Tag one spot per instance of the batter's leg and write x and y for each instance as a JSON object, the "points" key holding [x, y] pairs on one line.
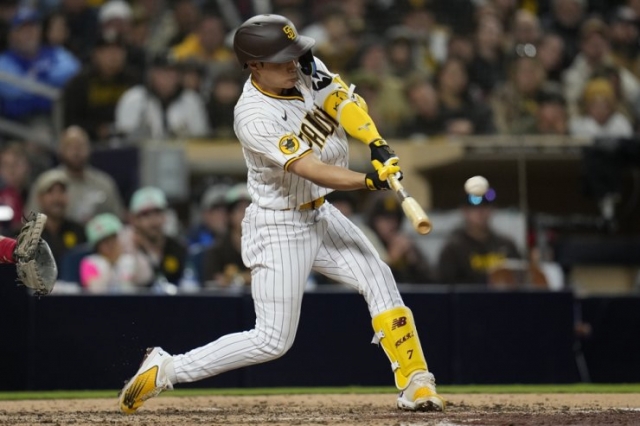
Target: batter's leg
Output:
{"points": [[280, 252], [348, 257]]}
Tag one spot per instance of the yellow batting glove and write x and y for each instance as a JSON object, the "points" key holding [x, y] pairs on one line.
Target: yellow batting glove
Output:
{"points": [[377, 181]]}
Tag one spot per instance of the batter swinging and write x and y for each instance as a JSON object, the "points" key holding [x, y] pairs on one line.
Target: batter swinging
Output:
{"points": [[292, 120]]}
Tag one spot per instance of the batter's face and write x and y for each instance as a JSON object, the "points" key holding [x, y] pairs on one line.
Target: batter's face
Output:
{"points": [[273, 78]]}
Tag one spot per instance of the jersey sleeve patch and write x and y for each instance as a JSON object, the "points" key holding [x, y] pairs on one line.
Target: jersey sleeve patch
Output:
{"points": [[289, 144]]}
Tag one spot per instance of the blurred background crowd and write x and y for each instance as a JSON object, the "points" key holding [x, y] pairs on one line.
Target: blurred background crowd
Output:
{"points": [[77, 76]]}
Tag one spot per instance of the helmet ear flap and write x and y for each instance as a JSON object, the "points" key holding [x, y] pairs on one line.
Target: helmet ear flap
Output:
{"points": [[307, 63]]}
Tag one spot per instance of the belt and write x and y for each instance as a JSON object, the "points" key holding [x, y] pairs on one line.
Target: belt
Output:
{"points": [[311, 205]]}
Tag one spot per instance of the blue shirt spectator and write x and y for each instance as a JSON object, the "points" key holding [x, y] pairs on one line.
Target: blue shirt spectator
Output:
{"points": [[27, 57]]}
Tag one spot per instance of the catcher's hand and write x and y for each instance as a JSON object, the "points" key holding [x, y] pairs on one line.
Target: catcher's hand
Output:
{"points": [[35, 264], [377, 181], [382, 155]]}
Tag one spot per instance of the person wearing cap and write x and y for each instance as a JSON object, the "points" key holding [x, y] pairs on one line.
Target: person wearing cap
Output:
{"points": [[90, 190], [108, 269], [158, 256], [90, 98], [27, 57], [161, 108], [51, 193], [116, 21], [475, 248], [222, 263], [595, 55], [214, 218], [600, 115]]}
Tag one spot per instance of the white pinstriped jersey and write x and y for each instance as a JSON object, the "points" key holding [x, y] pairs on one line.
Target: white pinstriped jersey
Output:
{"points": [[275, 131]]}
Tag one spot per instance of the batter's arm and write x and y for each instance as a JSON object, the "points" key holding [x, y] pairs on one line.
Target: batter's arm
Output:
{"points": [[329, 176]]}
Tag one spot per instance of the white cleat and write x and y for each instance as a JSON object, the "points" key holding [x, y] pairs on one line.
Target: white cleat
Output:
{"points": [[150, 380], [421, 394]]}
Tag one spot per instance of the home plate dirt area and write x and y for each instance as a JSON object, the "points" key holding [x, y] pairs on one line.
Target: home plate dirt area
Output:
{"points": [[349, 409]]}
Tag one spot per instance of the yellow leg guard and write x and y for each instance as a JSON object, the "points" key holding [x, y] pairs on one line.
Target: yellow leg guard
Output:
{"points": [[355, 119], [396, 331]]}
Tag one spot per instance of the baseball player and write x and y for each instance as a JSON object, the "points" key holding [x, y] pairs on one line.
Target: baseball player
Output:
{"points": [[35, 265], [292, 120]]}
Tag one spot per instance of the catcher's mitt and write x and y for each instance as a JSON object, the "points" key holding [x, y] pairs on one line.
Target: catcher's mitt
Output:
{"points": [[35, 264]]}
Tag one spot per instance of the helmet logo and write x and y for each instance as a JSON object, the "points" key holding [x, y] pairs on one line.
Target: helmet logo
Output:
{"points": [[290, 32]]}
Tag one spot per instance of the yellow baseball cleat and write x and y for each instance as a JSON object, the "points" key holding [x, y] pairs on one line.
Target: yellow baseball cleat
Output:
{"points": [[421, 394], [150, 380]]}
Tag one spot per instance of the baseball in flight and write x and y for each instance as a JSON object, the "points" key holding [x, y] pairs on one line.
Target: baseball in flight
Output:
{"points": [[476, 185]]}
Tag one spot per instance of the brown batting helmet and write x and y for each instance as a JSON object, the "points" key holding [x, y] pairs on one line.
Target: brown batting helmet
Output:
{"points": [[269, 38]]}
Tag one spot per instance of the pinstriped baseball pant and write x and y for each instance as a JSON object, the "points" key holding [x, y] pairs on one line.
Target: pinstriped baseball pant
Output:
{"points": [[281, 248]]}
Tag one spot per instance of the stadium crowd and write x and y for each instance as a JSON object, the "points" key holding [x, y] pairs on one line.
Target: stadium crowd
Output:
{"points": [[140, 70]]}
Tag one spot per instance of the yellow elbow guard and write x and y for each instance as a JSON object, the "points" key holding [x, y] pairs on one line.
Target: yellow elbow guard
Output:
{"points": [[350, 114], [395, 330]]}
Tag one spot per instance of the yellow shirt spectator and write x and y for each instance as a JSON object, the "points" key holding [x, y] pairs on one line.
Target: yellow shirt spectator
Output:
{"points": [[206, 43]]}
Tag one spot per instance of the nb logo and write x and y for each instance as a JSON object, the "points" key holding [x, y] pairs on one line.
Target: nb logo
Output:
{"points": [[398, 322], [320, 80], [290, 32]]}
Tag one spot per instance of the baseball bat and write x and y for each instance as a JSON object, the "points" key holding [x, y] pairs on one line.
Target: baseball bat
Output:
{"points": [[419, 219]]}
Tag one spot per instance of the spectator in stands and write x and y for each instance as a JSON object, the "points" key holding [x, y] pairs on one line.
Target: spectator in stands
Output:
{"points": [[82, 21], [401, 52], [565, 19], [595, 54], [551, 55], [430, 35], [90, 98], [90, 191], [552, 117], [186, 15], [62, 234], [526, 34], [624, 38], [214, 218], [27, 59], [600, 117], [340, 44], [108, 269], [223, 265], [161, 108], [461, 47], [475, 249], [156, 20], [14, 184], [426, 121], [379, 88], [158, 257], [225, 92], [116, 22], [194, 75], [206, 44], [407, 262], [487, 68], [515, 104], [55, 30], [461, 112]]}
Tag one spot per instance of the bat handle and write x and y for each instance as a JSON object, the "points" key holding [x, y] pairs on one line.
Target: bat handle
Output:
{"points": [[395, 184]]}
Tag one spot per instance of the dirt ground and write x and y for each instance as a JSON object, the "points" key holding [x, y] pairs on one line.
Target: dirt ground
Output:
{"points": [[333, 410]]}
